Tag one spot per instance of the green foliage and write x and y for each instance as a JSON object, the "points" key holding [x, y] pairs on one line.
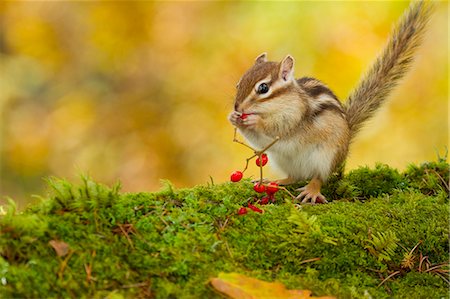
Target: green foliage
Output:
{"points": [[89, 196], [168, 244], [383, 245], [430, 177], [375, 182]]}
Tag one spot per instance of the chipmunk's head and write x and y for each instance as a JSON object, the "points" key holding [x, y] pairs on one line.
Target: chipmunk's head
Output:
{"points": [[264, 83]]}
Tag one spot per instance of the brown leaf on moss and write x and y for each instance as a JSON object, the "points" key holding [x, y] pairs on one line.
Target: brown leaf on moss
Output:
{"points": [[61, 247], [236, 285]]}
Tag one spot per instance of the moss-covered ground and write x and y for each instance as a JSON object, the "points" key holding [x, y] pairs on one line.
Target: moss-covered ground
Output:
{"points": [[168, 244]]}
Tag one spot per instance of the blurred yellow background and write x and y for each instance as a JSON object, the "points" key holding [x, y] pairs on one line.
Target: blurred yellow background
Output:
{"points": [[140, 91]]}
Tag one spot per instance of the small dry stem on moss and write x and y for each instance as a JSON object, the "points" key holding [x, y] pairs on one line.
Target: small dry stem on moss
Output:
{"points": [[408, 264]]}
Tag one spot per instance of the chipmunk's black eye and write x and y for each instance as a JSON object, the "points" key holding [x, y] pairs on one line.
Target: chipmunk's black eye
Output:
{"points": [[262, 88]]}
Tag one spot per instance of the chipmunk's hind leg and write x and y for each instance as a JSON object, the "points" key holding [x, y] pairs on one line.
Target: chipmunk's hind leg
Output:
{"points": [[311, 192]]}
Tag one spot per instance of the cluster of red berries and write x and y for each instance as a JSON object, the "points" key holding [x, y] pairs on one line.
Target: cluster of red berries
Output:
{"points": [[243, 210], [261, 159], [270, 189]]}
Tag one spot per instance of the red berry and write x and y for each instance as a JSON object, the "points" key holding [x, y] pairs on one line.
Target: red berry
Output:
{"points": [[242, 211], [236, 176], [260, 188], [272, 188], [264, 200], [244, 115], [256, 209], [262, 161]]}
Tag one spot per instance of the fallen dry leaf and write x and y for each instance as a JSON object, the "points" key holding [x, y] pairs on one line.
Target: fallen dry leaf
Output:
{"points": [[61, 247], [238, 286]]}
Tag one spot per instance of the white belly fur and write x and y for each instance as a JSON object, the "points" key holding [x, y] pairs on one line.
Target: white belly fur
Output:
{"points": [[295, 159], [301, 161]]}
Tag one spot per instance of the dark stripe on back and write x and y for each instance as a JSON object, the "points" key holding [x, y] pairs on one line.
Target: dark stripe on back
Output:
{"points": [[325, 107], [316, 88]]}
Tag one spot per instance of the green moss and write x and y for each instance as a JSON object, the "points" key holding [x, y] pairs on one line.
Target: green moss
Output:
{"points": [[168, 244]]}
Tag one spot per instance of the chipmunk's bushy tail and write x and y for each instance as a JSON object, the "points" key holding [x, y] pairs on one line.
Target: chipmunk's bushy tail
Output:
{"points": [[389, 67]]}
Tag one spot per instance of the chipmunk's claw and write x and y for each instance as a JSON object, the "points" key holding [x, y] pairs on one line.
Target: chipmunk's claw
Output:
{"points": [[310, 193]]}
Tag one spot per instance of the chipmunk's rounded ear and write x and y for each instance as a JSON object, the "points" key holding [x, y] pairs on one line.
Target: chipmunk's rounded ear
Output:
{"points": [[261, 58], [287, 68]]}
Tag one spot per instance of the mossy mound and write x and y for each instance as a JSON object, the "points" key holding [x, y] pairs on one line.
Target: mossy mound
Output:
{"points": [[168, 244]]}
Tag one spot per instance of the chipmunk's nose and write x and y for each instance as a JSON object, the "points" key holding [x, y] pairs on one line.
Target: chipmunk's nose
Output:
{"points": [[236, 107]]}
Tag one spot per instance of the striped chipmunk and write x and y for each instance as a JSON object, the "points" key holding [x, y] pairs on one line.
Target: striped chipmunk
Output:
{"points": [[314, 128]]}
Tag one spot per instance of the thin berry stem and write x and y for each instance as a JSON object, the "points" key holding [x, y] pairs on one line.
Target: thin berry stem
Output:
{"points": [[240, 142], [256, 154], [246, 163], [268, 146], [260, 170], [284, 189]]}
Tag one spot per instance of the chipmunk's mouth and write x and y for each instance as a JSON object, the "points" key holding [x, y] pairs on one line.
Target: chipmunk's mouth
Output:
{"points": [[248, 112], [244, 115]]}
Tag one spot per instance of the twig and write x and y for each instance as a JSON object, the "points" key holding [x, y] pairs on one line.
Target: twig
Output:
{"points": [[246, 163], [442, 180], [259, 154], [412, 250], [228, 249], [285, 189], [422, 259], [386, 287], [256, 153], [64, 264], [240, 142], [268, 146], [436, 267], [125, 233], [88, 268], [310, 260], [444, 277], [260, 169], [136, 285], [390, 276]]}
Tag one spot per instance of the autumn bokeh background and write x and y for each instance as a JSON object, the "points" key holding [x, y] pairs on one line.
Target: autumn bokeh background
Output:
{"points": [[139, 91]]}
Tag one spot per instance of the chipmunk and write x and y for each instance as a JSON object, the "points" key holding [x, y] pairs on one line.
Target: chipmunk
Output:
{"points": [[314, 128]]}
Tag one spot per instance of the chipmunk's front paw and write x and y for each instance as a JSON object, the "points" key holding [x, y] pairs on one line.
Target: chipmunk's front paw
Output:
{"points": [[235, 118], [251, 121]]}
